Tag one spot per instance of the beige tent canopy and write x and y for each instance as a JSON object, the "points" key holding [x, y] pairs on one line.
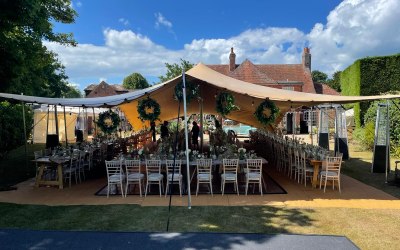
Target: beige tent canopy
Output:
{"points": [[247, 97]]}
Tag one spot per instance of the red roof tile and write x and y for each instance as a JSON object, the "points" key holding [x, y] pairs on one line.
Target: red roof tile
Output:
{"points": [[268, 74]]}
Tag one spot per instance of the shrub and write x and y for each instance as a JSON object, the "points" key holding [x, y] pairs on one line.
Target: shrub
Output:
{"points": [[11, 126]]}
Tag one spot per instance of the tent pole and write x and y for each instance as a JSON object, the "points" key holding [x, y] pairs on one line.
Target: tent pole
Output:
{"points": [[65, 128], [48, 118], [186, 140], [26, 147], [311, 125], [56, 119], [86, 125], [202, 126], [94, 121]]}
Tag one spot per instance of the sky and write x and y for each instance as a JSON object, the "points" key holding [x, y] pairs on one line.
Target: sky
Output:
{"points": [[117, 38]]}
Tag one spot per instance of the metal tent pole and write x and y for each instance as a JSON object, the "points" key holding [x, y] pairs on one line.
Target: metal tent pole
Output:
{"points": [[65, 128], [186, 140], [24, 121], [56, 118], [94, 121]]}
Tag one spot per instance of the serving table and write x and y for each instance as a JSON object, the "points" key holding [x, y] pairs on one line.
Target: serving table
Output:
{"points": [[45, 162]]}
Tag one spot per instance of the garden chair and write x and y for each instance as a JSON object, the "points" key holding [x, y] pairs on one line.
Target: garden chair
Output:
{"points": [[204, 175], [154, 176], [308, 171], [133, 175], [70, 170], [229, 175], [174, 174], [254, 174], [332, 172], [114, 175]]}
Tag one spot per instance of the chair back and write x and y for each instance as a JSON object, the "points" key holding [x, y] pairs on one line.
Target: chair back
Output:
{"points": [[254, 166], [132, 166], [230, 165], [38, 154], [153, 167], [303, 159], [174, 169], [204, 166], [297, 161], [113, 168], [47, 152], [333, 164]]}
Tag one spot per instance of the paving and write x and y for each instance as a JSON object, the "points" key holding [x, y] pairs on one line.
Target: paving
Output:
{"points": [[30, 239]]}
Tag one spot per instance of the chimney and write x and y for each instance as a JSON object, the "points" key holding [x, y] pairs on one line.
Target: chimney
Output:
{"points": [[232, 60], [306, 58]]}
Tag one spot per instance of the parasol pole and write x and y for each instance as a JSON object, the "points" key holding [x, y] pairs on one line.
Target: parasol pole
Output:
{"points": [[186, 139]]}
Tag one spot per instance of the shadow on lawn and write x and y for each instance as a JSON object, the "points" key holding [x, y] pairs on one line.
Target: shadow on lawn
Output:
{"points": [[254, 219]]}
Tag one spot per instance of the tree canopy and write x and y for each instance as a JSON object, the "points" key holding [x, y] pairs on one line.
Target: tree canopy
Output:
{"points": [[334, 82], [318, 76], [174, 70], [135, 81], [25, 63]]}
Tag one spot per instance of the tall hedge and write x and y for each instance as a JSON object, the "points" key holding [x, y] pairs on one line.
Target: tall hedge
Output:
{"points": [[370, 76]]}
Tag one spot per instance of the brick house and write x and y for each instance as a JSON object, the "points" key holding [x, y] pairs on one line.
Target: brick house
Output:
{"points": [[294, 77], [104, 89]]}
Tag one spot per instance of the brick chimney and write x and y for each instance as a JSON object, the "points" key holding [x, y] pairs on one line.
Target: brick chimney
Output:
{"points": [[306, 58], [232, 60]]}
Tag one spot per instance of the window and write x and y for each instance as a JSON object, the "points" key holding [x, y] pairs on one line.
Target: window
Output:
{"points": [[313, 117], [288, 88]]}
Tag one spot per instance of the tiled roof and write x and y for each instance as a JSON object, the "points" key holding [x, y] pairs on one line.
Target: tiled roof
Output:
{"points": [[269, 74], [321, 88]]}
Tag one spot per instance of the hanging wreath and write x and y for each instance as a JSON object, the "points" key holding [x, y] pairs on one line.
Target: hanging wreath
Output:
{"points": [[108, 121], [260, 115], [225, 103], [148, 109], [191, 91]]}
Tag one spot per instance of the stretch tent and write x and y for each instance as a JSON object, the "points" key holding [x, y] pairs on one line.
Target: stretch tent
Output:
{"points": [[247, 97]]}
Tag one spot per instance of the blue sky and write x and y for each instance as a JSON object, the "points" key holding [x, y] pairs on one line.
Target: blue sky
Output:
{"points": [[117, 38]]}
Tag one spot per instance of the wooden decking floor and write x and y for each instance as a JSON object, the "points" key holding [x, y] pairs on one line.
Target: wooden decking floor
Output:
{"points": [[354, 195]]}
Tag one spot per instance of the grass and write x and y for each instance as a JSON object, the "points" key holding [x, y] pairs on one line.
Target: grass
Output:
{"points": [[369, 229], [359, 167]]}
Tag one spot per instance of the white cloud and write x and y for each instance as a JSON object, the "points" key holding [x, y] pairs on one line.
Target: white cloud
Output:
{"points": [[124, 21], [354, 29], [162, 21]]}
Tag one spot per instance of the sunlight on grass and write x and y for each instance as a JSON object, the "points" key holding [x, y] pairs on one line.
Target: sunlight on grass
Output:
{"points": [[210, 226]]}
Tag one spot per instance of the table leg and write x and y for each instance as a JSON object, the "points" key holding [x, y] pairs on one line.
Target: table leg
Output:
{"points": [[315, 174], [40, 175], [60, 176]]}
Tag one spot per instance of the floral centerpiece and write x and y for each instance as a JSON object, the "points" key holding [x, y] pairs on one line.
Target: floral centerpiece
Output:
{"points": [[242, 153]]}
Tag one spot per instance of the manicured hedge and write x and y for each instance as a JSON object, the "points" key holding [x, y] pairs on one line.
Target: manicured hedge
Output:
{"points": [[370, 76]]}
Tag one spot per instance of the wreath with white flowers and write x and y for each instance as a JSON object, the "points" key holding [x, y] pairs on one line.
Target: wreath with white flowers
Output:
{"points": [[192, 91], [108, 121], [225, 103], [148, 109], [260, 115]]}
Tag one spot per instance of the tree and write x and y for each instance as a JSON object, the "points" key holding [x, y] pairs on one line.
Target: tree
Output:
{"points": [[25, 63], [335, 81], [135, 81], [319, 77], [174, 70], [73, 92]]}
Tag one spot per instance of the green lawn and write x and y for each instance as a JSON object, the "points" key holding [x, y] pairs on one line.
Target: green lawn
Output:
{"points": [[369, 229]]}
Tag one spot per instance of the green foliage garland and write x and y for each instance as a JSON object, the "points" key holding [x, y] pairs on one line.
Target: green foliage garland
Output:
{"points": [[225, 103], [261, 117], [191, 91], [108, 121], [146, 104]]}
